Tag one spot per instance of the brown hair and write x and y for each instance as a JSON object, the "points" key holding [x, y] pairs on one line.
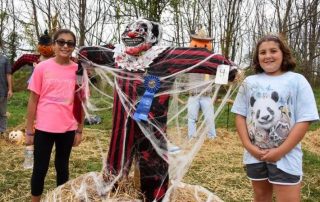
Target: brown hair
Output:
{"points": [[288, 62], [64, 31]]}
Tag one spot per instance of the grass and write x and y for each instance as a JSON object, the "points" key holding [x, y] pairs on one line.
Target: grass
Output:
{"points": [[311, 179], [209, 168], [316, 92], [17, 107]]}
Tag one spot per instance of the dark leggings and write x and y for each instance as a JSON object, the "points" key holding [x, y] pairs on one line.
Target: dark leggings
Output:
{"points": [[43, 144]]}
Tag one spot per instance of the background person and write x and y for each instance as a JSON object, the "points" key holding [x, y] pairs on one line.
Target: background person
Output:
{"points": [[5, 90], [200, 97]]}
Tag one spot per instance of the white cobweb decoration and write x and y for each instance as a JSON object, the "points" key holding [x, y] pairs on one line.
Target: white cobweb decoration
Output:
{"points": [[94, 187]]}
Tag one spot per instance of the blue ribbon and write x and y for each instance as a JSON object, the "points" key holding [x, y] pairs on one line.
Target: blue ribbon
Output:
{"points": [[152, 85]]}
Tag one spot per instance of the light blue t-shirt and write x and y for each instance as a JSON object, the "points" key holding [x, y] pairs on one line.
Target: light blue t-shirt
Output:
{"points": [[272, 105]]}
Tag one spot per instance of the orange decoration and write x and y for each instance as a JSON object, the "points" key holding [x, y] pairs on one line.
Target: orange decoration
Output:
{"points": [[201, 40], [45, 50]]}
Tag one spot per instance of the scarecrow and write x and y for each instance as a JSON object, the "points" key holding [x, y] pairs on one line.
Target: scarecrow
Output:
{"points": [[143, 75], [45, 51], [200, 96]]}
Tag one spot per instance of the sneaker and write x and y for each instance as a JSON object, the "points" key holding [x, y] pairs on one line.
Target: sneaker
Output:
{"points": [[212, 137], [192, 137], [173, 149]]}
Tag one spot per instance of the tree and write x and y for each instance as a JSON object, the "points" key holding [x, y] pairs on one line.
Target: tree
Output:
{"points": [[235, 25], [4, 17]]}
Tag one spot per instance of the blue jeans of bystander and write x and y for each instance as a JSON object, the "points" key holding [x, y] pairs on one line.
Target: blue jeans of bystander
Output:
{"points": [[3, 116], [206, 105]]}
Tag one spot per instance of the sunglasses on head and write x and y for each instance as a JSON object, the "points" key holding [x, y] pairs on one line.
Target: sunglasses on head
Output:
{"points": [[62, 42]]}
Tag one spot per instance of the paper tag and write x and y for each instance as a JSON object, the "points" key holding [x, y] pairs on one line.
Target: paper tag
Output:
{"points": [[222, 74], [206, 77]]}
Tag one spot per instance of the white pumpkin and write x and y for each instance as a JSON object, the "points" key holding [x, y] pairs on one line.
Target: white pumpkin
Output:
{"points": [[16, 136]]}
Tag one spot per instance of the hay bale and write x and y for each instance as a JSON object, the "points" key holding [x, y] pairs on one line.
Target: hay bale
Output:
{"points": [[91, 187], [311, 141], [190, 193]]}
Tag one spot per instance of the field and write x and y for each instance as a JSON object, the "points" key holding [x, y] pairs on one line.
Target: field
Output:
{"points": [[217, 167]]}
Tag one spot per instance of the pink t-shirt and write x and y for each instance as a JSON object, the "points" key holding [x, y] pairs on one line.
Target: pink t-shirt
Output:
{"points": [[55, 85]]}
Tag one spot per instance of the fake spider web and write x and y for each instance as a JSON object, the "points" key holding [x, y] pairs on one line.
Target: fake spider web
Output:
{"points": [[175, 134]]}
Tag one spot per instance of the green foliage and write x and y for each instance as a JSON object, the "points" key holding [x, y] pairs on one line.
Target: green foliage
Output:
{"points": [[311, 169], [17, 107], [106, 118], [17, 104], [149, 9], [175, 3], [226, 119], [29, 34], [3, 16], [13, 44], [20, 79], [103, 104], [316, 92]]}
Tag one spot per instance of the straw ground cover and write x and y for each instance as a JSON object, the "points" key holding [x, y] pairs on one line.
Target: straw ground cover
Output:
{"points": [[217, 167]]}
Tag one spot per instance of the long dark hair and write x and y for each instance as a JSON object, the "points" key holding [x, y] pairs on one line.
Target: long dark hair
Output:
{"points": [[288, 62]]}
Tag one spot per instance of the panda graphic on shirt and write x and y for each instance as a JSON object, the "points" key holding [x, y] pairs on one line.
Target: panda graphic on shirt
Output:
{"points": [[269, 124]]}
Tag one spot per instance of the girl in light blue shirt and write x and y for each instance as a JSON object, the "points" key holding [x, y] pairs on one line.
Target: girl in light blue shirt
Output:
{"points": [[274, 109]]}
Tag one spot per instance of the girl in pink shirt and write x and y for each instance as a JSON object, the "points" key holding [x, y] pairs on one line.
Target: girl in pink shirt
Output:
{"points": [[52, 90]]}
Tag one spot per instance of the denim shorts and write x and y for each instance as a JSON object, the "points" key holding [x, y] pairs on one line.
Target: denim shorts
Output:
{"points": [[270, 172]]}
